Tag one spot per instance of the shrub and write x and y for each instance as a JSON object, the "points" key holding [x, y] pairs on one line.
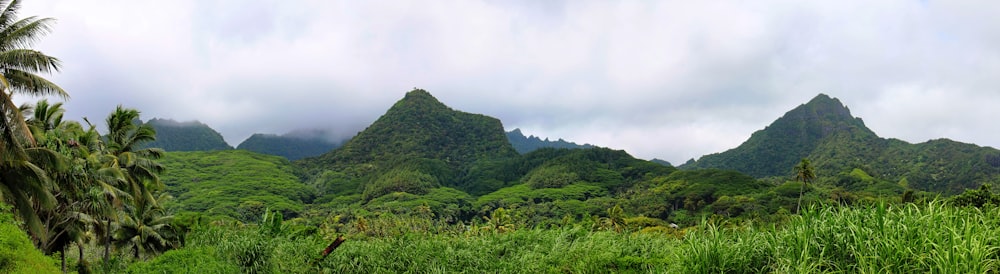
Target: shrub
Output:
{"points": [[17, 254], [187, 260]]}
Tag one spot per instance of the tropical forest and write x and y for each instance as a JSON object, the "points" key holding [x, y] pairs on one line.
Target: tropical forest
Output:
{"points": [[426, 188]]}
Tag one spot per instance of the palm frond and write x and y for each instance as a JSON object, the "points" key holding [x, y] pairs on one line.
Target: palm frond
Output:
{"points": [[9, 13], [23, 82], [29, 60], [24, 32], [14, 131]]}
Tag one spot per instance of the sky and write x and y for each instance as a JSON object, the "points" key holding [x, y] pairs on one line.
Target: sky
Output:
{"points": [[673, 80]]}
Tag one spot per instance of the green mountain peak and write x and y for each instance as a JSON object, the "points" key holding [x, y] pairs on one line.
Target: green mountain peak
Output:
{"points": [[418, 136], [824, 131], [185, 136], [773, 150]]}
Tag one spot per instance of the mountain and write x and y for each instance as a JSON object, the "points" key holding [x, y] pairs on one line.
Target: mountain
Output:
{"points": [[824, 131], [293, 145], [417, 145], [186, 136], [661, 161], [524, 144], [774, 150]]}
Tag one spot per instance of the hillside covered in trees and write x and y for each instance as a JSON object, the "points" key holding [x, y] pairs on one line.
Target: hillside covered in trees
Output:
{"points": [[456, 165], [185, 136], [234, 183], [293, 145], [824, 131]]}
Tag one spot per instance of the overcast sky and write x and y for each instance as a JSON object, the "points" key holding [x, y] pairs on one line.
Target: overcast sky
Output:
{"points": [[660, 79]]}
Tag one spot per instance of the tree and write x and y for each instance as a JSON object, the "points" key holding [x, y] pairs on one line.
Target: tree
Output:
{"points": [[616, 219], [805, 173], [138, 165], [23, 181], [145, 227], [124, 141], [84, 186], [64, 223]]}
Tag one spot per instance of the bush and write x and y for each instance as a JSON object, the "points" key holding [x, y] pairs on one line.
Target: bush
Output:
{"points": [[397, 180], [17, 254], [187, 260]]}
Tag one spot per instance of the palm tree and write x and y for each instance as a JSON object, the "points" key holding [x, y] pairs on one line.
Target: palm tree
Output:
{"points": [[125, 138], [22, 181], [85, 191], [616, 219], [145, 227], [805, 173], [138, 165], [45, 117], [19, 68], [25, 185]]}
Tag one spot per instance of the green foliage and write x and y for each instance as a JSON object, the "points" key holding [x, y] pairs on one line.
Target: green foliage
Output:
{"points": [[233, 183], [400, 180], [443, 203], [145, 229], [976, 198], [824, 131], [928, 238], [418, 133], [271, 246], [570, 250], [17, 254], [187, 260], [523, 194], [931, 238], [552, 176], [185, 136], [794, 136], [289, 146]]}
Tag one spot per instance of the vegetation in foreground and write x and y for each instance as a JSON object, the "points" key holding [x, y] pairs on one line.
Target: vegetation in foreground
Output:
{"points": [[936, 237], [430, 189]]}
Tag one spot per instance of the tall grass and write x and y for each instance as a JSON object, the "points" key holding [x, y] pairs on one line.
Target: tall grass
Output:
{"points": [[881, 238], [932, 238], [568, 250]]}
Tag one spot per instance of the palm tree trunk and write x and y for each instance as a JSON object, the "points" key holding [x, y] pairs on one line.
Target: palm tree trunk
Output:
{"points": [[79, 248], [798, 207], [107, 241], [63, 256]]}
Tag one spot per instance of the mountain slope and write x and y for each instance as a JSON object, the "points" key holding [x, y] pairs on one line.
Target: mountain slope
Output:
{"points": [[524, 144], [418, 144], [234, 183], [774, 150], [186, 136], [292, 146], [824, 131]]}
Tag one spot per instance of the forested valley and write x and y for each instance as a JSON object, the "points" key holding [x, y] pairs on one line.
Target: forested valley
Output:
{"points": [[430, 189]]}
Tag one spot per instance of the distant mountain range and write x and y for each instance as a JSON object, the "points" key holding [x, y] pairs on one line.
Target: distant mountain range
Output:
{"points": [[293, 145], [524, 144], [424, 157], [422, 132], [824, 131], [196, 136]]}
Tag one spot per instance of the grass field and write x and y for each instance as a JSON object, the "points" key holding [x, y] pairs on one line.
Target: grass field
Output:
{"points": [[931, 238]]}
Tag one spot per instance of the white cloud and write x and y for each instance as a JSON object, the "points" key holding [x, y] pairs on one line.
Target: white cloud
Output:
{"points": [[672, 80]]}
